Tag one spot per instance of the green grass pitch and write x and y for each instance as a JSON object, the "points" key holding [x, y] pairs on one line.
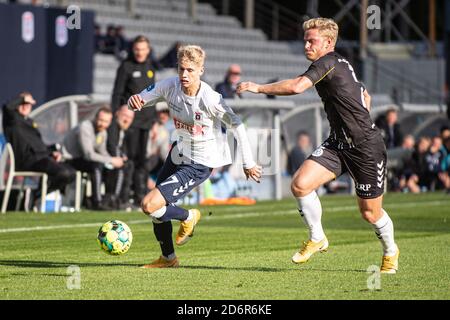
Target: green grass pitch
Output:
{"points": [[236, 253]]}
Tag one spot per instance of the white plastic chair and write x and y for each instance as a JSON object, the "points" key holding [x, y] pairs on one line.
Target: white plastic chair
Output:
{"points": [[78, 191], [7, 167]]}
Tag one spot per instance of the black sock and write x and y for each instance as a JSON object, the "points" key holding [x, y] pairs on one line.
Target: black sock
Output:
{"points": [[163, 233]]}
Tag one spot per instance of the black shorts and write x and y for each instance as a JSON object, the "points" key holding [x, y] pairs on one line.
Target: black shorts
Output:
{"points": [[366, 164]]}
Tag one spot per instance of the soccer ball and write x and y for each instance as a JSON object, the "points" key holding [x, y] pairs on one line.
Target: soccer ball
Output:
{"points": [[115, 237]]}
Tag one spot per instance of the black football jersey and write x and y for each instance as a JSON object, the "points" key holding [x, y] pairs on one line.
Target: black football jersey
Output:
{"points": [[342, 96]]}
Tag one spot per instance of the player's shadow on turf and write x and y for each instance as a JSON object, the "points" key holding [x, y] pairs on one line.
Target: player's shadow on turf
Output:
{"points": [[261, 269], [27, 274], [267, 269], [334, 270], [53, 264]]}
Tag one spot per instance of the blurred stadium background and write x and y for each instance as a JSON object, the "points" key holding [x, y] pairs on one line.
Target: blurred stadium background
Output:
{"points": [[402, 63]]}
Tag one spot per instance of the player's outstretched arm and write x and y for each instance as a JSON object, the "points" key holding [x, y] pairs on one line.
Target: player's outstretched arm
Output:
{"points": [[226, 115], [135, 102], [251, 169], [150, 95], [280, 88]]}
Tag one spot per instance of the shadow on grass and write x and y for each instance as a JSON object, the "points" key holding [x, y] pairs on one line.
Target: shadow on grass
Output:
{"points": [[53, 264], [268, 269], [27, 274], [258, 269], [333, 270]]}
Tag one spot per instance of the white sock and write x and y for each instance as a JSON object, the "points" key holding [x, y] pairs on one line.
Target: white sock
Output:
{"points": [[190, 216], [311, 212], [158, 214], [384, 229]]}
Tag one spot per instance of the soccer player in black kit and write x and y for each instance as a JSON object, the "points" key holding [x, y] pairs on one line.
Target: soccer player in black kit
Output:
{"points": [[355, 145]]}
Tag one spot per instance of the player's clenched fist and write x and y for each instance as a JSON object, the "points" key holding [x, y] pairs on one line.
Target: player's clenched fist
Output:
{"points": [[247, 86], [135, 102]]}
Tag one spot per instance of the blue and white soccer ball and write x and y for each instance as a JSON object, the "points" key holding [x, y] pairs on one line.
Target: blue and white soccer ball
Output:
{"points": [[115, 237]]}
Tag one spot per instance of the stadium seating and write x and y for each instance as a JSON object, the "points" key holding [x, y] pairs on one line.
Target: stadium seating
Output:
{"points": [[223, 38]]}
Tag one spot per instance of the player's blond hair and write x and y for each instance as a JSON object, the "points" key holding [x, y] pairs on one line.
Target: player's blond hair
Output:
{"points": [[327, 27], [191, 53]]}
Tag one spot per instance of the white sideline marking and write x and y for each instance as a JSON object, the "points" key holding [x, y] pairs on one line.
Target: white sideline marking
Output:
{"points": [[228, 216]]}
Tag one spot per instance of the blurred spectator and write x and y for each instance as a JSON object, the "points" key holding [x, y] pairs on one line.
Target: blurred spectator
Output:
{"points": [[110, 40], [434, 158], [30, 152], [444, 132], [390, 129], [300, 152], [118, 181], [227, 88], [99, 39], [135, 74], [158, 148], [408, 142], [84, 147], [398, 159], [415, 170], [122, 44], [114, 42], [170, 59], [445, 165], [163, 115]]}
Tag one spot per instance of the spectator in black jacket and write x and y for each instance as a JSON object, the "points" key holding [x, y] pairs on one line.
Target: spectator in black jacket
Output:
{"points": [[110, 40], [434, 158], [134, 75], [99, 39], [30, 152], [122, 44], [118, 181], [227, 88], [170, 59], [390, 129]]}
